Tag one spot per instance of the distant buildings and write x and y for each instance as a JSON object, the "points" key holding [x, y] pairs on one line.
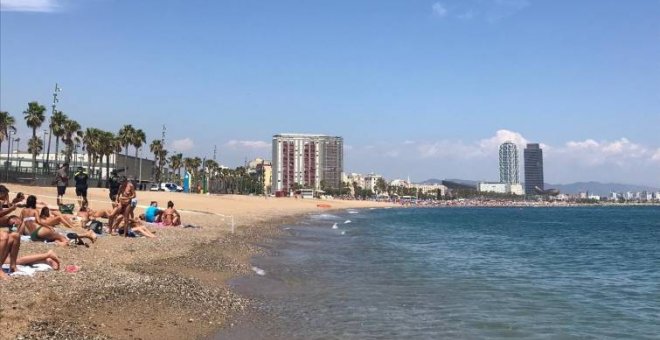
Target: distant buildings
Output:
{"points": [[370, 181], [509, 179], [264, 170], [509, 163], [307, 160], [533, 155], [501, 188]]}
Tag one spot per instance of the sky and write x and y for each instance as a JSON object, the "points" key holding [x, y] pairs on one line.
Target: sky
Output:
{"points": [[419, 89]]}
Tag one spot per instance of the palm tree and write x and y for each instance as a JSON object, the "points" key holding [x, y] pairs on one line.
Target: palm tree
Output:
{"points": [[34, 117], [109, 146], [6, 124], [176, 163], [92, 144], [125, 135], [72, 135], [139, 138], [156, 147], [35, 146], [57, 127]]}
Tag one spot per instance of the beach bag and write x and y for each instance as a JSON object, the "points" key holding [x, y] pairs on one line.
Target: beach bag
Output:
{"points": [[67, 208], [96, 227], [74, 239]]}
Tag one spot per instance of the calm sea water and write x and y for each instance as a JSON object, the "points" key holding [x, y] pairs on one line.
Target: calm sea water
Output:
{"points": [[463, 273]]}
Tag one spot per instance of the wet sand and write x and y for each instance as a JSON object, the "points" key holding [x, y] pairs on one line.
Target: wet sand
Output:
{"points": [[171, 287]]}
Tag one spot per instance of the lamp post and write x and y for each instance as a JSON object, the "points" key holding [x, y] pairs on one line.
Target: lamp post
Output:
{"points": [[9, 139], [50, 125], [44, 163], [140, 155]]}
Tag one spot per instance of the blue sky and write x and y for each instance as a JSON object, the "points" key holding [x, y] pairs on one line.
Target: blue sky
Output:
{"points": [[416, 88]]}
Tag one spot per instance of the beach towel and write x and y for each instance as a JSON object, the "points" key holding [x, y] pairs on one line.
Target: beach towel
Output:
{"points": [[27, 270]]}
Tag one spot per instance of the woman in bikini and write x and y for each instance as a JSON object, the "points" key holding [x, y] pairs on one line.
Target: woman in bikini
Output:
{"points": [[53, 221], [125, 199], [171, 217], [38, 230]]}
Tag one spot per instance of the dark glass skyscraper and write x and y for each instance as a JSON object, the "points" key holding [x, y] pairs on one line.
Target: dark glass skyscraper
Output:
{"points": [[533, 155]]}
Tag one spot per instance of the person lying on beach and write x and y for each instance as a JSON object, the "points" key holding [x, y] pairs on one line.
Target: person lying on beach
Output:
{"points": [[49, 258], [38, 230], [171, 217], [53, 220], [137, 227], [87, 214]]}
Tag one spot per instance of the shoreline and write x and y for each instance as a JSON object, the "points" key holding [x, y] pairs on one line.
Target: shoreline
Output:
{"points": [[174, 286]]}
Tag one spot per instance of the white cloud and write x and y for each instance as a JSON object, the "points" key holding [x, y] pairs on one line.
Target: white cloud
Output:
{"points": [[249, 144], [181, 145], [620, 160], [656, 155], [29, 5], [439, 10]]}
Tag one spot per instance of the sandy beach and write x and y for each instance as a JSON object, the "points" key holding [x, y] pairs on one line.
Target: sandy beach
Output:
{"points": [[171, 287]]}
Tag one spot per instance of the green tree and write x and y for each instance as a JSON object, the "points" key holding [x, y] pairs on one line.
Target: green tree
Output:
{"points": [[176, 161], [34, 117], [7, 122], [139, 138], [381, 185], [92, 145], [126, 135], [160, 154], [56, 125], [72, 136]]}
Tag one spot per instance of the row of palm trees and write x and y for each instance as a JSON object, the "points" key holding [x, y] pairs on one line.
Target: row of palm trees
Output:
{"points": [[97, 143]]}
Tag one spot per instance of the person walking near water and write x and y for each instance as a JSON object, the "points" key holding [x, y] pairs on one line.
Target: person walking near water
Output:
{"points": [[62, 180], [81, 178]]}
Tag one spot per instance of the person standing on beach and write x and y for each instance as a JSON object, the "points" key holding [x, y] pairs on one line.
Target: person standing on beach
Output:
{"points": [[81, 178], [62, 180]]}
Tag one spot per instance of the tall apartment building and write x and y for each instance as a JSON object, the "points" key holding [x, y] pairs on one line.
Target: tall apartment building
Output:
{"points": [[533, 168], [307, 160], [509, 163]]}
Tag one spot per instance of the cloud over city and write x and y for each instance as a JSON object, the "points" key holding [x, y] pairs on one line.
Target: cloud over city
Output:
{"points": [[248, 144], [182, 145], [620, 160]]}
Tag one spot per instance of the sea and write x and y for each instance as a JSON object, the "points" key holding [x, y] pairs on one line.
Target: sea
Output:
{"points": [[460, 273]]}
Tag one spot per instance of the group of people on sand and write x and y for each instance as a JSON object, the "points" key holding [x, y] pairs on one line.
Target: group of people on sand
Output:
{"points": [[38, 224], [38, 220]]}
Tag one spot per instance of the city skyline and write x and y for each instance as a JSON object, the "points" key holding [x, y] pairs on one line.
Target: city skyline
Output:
{"points": [[417, 89]]}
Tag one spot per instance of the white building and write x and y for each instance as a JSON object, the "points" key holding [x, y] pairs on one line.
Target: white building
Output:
{"points": [[353, 178], [431, 188], [501, 188], [509, 163], [370, 181], [307, 160]]}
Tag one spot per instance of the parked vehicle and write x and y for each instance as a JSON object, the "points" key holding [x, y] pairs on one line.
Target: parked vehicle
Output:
{"points": [[171, 187]]}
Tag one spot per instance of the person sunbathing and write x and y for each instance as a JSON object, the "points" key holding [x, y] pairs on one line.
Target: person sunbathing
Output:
{"points": [[9, 246], [32, 224], [87, 214], [7, 206], [137, 227], [49, 258], [171, 217], [53, 220]]}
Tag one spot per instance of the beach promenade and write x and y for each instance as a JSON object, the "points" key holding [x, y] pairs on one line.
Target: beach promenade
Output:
{"points": [[170, 287]]}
